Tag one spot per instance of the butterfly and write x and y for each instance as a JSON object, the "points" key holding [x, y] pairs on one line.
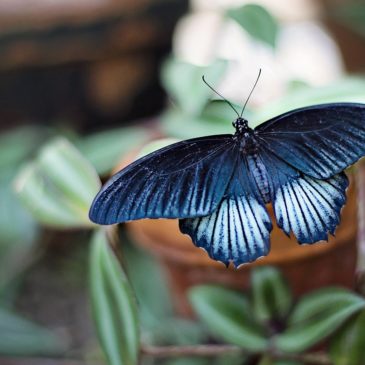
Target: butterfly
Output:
{"points": [[218, 186]]}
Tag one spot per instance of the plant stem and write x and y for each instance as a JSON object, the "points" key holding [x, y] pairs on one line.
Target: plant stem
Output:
{"points": [[39, 361], [193, 350], [315, 358]]}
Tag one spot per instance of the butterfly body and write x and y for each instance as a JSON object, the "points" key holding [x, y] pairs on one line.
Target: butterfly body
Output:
{"points": [[218, 186], [260, 175], [249, 144]]}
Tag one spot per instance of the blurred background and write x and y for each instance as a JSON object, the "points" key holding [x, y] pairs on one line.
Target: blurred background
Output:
{"points": [[88, 86]]}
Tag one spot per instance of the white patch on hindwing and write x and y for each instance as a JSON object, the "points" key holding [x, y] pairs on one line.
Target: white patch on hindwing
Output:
{"points": [[310, 207], [237, 231]]}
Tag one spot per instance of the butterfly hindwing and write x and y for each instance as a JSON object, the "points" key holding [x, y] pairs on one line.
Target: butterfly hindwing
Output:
{"points": [[239, 230], [310, 207], [320, 140], [186, 179], [306, 206]]}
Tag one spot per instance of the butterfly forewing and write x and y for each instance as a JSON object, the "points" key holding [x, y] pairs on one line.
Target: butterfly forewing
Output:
{"points": [[186, 179], [320, 140]]}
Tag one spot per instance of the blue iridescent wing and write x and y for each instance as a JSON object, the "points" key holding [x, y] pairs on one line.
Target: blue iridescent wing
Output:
{"points": [[185, 179], [306, 206], [239, 230], [320, 140]]}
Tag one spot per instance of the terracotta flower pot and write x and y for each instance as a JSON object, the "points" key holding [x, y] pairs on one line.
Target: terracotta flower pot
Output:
{"points": [[306, 267]]}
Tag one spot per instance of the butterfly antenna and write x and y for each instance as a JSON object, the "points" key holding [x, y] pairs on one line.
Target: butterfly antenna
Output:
{"points": [[230, 104], [253, 88]]}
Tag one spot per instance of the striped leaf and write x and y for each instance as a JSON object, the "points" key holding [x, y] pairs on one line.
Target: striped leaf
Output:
{"points": [[317, 316], [113, 305], [271, 296], [347, 347], [227, 314], [58, 186]]}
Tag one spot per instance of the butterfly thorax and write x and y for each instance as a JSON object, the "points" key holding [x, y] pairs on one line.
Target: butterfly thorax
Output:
{"points": [[245, 136], [249, 147], [241, 126]]}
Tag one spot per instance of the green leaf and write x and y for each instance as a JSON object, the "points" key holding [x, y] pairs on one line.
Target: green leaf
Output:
{"points": [[20, 337], [113, 305], [177, 331], [46, 204], [352, 15], [105, 150], [317, 316], [18, 145], [271, 296], [266, 360], [256, 21], [159, 326], [226, 359], [348, 345], [228, 316], [69, 171], [153, 296], [18, 229], [59, 186], [350, 89], [189, 361], [218, 111], [18, 235], [216, 118], [231, 359], [183, 81]]}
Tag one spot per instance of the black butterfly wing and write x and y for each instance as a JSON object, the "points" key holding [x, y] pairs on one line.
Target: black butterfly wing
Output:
{"points": [[239, 229], [306, 206], [320, 140], [185, 179]]}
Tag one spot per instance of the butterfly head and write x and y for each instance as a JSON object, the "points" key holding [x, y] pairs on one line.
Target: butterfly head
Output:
{"points": [[241, 125]]}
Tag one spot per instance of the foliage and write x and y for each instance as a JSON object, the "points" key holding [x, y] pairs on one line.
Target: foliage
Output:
{"points": [[347, 89], [257, 21], [317, 316], [265, 322], [114, 308], [132, 308], [18, 236], [183, 82], [347, 348], [104, 150], [352, 15], [18, 336], [58, 186], [216, 116], [70, 181], [232, 317], [17, 241]]}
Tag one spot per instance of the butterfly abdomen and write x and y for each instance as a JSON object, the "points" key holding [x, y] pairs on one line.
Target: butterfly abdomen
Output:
{"points": [[259, 173]]}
